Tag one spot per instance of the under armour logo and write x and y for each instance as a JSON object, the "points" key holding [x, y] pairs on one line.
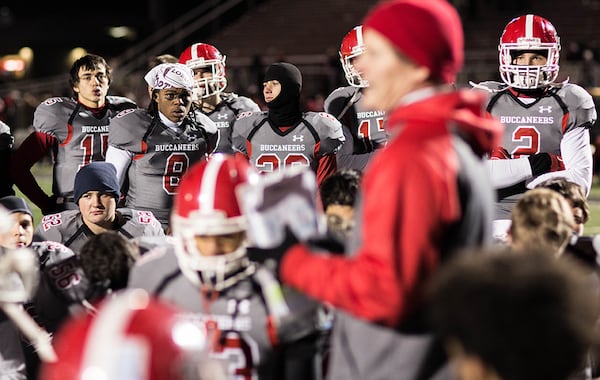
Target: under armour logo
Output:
{"points": [[545, 109], [297, 138], [221, 116]]}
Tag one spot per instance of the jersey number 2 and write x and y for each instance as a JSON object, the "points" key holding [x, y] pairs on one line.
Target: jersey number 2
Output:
{"points": [[529, 139]]}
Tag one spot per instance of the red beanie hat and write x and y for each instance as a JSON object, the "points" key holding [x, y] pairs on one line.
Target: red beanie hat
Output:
{"points": [[429, 32]]}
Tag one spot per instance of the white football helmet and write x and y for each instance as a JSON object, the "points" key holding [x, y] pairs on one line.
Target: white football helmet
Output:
{"points": [[207, 57], [206, 204], [529, 33]]}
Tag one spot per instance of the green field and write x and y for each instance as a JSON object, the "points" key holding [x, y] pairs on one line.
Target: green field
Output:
{"points": [[42, 171]]}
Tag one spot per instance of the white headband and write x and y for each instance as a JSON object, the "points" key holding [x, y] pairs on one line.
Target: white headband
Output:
{"points": [[170, 75]]}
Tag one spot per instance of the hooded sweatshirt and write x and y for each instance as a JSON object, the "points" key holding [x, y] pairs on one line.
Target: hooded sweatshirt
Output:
{"points": [[424, 196]]}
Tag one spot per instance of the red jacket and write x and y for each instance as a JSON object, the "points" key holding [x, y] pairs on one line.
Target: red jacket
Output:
{"points": [[410, 212]]}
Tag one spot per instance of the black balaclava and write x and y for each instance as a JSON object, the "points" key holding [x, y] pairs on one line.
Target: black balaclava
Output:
{"points": [[284, 110]]}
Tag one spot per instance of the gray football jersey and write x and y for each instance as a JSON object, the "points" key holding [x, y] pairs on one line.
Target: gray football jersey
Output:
{"points": [[68, 228], [161, 157], [248, 340], [363, 128], [224, 116], [268, 149], [82, 135], [537, 127]]}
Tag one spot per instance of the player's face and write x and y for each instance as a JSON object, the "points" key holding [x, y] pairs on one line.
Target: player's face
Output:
{"points": [[174, 103], [340, 218], [202, 77], [271, 89], [215, 245], [21, 233], [390, 75], [92, 86], [98, 208], [530, 59]]}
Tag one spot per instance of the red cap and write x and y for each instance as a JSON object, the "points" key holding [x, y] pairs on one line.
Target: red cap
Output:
{"points": [[429, 32]]}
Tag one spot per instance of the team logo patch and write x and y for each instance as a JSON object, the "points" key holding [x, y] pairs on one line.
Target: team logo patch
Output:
{"points": [[125, 112]]}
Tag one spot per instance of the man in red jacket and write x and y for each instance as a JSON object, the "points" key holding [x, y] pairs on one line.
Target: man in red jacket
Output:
{"points": [[425, 196]]}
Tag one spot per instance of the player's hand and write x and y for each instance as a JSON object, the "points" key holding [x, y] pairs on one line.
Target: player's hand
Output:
{"points": [[499, 153], [271, 257], [545, 163]]}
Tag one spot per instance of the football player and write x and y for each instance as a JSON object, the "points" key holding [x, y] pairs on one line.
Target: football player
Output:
{"points": [[96, 193], [264, 330], [73, 129], [152, 148], [547, 124], [209, 84], [18, 279], [21, 234], [363, 127], [285, 136]]}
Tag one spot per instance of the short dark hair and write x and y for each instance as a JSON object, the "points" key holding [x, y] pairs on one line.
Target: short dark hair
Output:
{"points": [[340, 188], [163, 58], [106, 259], [527, 315], [90, 62]]}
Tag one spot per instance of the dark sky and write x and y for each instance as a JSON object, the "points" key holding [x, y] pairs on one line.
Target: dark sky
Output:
{"points": [[52, 29]]}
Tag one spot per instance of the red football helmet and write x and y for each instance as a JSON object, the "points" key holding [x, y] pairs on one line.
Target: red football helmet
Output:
{"points": [[207, 58], [529, 33], [352, 46], [132, 337], [206, 204]]}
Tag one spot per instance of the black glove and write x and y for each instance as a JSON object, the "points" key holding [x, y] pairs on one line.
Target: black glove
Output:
{"points": [[544, 163], [272, 256]]}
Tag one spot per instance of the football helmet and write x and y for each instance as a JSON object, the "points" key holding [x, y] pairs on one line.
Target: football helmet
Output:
{"points": [[352, 46], [206, 204], [529, 33], [209, 58], [133, 336]]}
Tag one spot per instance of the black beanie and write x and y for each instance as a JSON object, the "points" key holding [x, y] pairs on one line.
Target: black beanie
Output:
{"points": [[284, 110], [15, 204], [96, 176]]}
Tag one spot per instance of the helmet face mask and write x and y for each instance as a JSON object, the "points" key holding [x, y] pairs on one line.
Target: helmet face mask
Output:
{"points": [[206, 205], [208, 59], [212, 271], [529, 33], [352, 46]]}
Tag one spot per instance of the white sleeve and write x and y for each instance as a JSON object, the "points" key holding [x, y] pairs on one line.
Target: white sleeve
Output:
{"points": [[121, 159], [508, 172], [576, 153]]}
